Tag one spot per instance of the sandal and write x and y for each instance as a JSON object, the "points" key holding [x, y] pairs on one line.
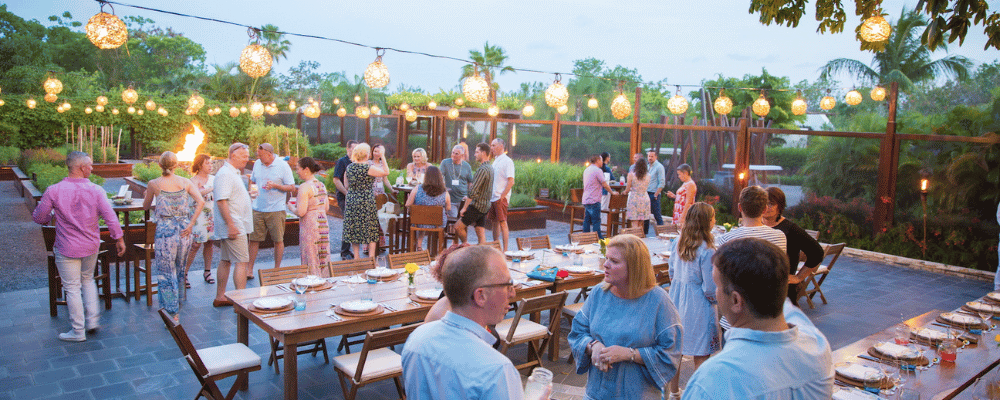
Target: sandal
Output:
{"points": [[187, 283], [208, 277]]}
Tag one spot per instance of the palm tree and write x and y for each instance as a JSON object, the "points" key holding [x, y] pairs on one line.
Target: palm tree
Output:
{"points": [[905, 60], [491, 61], [275, 42]]}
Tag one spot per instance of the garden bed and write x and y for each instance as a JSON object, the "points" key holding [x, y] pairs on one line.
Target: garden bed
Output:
{"points": [[31, 194], [137, 187], [119, 170], [523, 218]]}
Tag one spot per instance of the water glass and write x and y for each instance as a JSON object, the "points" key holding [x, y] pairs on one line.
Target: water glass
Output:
{"points": [[908, 394], [948, 350], [577, 259], [368, 293], [538, 382], [902, 336], [872, 380], [300, 302]]}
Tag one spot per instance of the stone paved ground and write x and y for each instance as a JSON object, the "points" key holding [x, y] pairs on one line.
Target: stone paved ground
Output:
{"points": [[133, 356]]}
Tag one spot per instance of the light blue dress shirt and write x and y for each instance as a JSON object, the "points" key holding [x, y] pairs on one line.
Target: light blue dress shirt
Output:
{"points": [[229, 187], [657, 177], [453, 358], [271, 200], [649, 324], [791, 364]]}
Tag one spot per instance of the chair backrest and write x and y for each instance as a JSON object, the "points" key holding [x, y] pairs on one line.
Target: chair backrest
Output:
{"points": [[814, 234], [576, 195], [422, 257], [553, 302], [633, 231], [49, 234], [543, 192], [380, 200], [351, 267], [618, 201], [833, 250], [150, 232], [275, 276], [665, 228], [537, 242], [426, 215], [584, 237], [380, 340], [496, 245], [184, 343]]}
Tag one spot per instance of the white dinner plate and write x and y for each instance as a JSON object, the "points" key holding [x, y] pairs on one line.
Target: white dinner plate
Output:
{"points": [[309, 281], [980, 306], [358, 306], [961, 318], [429, 294], [517, 253], [577, 269], [355, 279], [271, 303], [381, 273], [856, 371]]}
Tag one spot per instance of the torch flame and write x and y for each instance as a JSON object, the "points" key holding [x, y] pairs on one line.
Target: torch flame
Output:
{"points": [[191, 143]]}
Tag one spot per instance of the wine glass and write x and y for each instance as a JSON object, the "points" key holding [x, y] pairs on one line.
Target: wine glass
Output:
{"points": [[890, 373], [574, 243], [986, 315], [353, 281]]}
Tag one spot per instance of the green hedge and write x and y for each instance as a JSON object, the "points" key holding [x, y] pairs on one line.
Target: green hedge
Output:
{"points": [[146, 172], [559, 178], [9, 155], [47, 175], [789, 158], [328, 151]]}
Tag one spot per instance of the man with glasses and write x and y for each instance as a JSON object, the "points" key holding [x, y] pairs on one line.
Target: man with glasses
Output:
{"points": [[274, 177], [454, 358], [233, 221]]}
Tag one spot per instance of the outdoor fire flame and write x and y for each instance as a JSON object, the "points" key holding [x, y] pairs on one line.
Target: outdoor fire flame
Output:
{"points": [[191, 143]]}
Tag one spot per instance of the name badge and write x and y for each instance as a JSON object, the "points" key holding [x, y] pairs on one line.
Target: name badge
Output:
{"points": [[454, 182]]}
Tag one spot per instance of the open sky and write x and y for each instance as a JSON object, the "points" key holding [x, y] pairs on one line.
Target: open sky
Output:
{"points": [[680, 41]]}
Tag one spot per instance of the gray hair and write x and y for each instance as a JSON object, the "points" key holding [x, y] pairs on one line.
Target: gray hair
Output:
{"points": [[501, 143], [236, 146], [460, 147], [74, 158]]}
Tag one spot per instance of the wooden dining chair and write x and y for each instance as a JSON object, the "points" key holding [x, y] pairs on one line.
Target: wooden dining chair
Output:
{"points": [[279, 276], [813, 285], [351, 267], [584, 238], [375, 362], [139, 270], [519, 330], [665, 228], [417, 257], [616, 214], [575, 207], [814, 234], [380, 200], [427, 215], [495, 244], [57, 297], [536, 242], [212, 364], [637, 231]]}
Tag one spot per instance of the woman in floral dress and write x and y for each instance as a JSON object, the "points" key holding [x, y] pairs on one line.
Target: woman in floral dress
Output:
{"points": [[360, 218], [202, 232], [174, 223], [637, 208], [311, 206], [684, 197]]}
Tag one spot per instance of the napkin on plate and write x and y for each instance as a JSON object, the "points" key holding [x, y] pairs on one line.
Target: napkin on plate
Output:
{"points": [[852, 394], [271, 303], [428, 294], [895, 351], [856, 371], [980, 306], [961, 319], [358, 305], [929, 333]]}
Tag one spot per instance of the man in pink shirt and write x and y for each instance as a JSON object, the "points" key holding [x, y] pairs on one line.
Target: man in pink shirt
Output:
{"points": [[76, 204], [593, 181]]}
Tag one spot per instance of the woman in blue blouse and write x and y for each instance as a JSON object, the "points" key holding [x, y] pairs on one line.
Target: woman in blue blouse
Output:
{"points": [[627, 336]]}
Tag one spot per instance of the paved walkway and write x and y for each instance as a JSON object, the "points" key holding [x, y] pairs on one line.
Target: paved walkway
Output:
{"points": [[133, 356]]}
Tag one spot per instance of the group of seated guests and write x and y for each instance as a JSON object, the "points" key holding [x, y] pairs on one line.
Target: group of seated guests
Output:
{"points": [[630, 334]]}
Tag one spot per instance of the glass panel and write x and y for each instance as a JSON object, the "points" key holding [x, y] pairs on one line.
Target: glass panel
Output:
{"points": [[527, 141], [384, 132], [286, 119], [354, 128], [330, 129], [310, 128], [578, 143]]}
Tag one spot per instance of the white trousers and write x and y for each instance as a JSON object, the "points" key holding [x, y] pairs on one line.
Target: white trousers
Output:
{"points": [[77, 275]]}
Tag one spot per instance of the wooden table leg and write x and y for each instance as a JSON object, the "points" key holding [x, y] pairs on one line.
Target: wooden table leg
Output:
{"points": [[291, 371], [243, 336]]}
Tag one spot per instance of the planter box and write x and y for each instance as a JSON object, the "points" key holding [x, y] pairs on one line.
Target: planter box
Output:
{"points": [[137, 187], [556, 209], [7, 173], [31, 194], [524, 218], [119, 170]]}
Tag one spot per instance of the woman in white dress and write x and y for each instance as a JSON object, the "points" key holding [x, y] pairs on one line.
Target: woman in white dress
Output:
{"points": [[202, 232]]}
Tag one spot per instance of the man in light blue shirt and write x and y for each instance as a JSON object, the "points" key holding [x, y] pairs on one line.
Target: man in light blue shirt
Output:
{"points": [[772, 351], [453, 358], [657, 180], [273, 178]]}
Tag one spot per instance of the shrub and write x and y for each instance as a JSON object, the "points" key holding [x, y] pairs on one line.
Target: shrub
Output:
{"points": [[146, 172], [789, 158], [220, 150], [41, 156], [559, 178], [47, 175], [328, 151], [286, 141], [522, 200], [9, 155]]}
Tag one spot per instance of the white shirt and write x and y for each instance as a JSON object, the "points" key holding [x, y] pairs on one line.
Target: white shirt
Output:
{"points": [[503, 168], [229, 186]]}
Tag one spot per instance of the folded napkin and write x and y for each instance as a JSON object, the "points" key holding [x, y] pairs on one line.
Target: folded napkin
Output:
{"points": [[856, 371], [852, 394], [980, 306], [961, 319], [994, 296], [928, 333], [548, 274], [895, 351]]}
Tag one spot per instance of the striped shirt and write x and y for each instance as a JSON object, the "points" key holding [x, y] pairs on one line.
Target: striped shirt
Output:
{"points": [[482, 184], [760, 232]]}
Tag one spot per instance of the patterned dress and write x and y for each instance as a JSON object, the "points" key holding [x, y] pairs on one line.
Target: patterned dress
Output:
{"points": [[360, 220], [314, 233], [680, 201], [203, 226], [637, 208], [421, 198], [172, 215]]}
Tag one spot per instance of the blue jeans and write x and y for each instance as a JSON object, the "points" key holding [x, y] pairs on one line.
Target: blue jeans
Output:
{"points": [[592, 218], [654, 207]]}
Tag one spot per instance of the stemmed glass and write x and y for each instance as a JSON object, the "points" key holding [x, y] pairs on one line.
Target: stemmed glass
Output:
{"points": [[891, 373], [986, 315], [353, 281]]}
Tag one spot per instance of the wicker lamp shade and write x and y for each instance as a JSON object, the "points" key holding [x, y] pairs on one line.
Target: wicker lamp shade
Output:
{"points": [[528, 110], [88, 110], [459, 101], [476, 89], [404, 107], [878, 93], [99, 108], [52, 86], [432, 105], [102, 101], [410, 115], [291, 105], [563, 109], [162, 111], [114, 111], [620, 107], [30, 103], [723, 105], [196, 102], [336, 101], [341, 112], [357, 99], [377, 74], [493, 110], [130, 110], [761, 107], [271, 109], [375, 109], [311, 111], [140, 112], [362, 112], [106, 31], [256, 109], [150, 105], [677, 104], [875, 29], [234, 112], [60, 109], [592, 103], [452, 113], [51, 98], [827, 102], [255, 60], [2, 102], [556, 95], [66, 105], [129, 95], [853, 98], [799, 106]]}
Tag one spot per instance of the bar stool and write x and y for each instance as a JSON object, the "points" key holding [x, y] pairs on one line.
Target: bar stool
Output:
{"points": [[139, 269]]}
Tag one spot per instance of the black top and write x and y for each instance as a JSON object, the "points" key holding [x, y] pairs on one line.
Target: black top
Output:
{"points": [[798, 240], [339, 171]]}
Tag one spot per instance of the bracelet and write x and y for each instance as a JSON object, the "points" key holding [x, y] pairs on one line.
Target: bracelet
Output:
{"points": [[632, 354]]}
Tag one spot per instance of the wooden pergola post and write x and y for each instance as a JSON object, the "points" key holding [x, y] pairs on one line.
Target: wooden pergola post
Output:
{"points": [[742, 162], [888, 166], [636, 136], [556, 140]]}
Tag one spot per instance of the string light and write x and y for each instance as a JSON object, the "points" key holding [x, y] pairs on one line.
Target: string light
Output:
{"points": [[827, 102], [130, 110], [2, 102], [677, 104], [106, 31], [255, 60], [114, 111], [362, 112], [243, 109], [140, 111], [475, 87], [196, 102], [592, 103], [723, 105], [60, 109], [563, 109], [620, 107], [88, 110], [162, 111], [50, 97], [377, 74], [311, 111], [432, 105], [556, 94], [102, 101], [459, 101], [129, 95], [875, 29], [878, 93], [452, 113], [66, 105], [376, 110], [256, 109], [357, 99], [528, 110], [799, 105], [410, 115], [99, 108], [336, 101], [291, 105], [404, 107], [493, 110], [150, 105], [853, 98], [341, 112], [52, 85], [761, 106], [234, 112]]}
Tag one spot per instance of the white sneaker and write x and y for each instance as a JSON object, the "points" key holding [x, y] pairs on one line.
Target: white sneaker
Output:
{"points": [[72, 336]]}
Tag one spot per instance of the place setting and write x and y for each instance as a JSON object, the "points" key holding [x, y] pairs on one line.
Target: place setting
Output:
{"points": [[311, 283], [426, 296], [963, 321], [910, 355], [855, 375]]}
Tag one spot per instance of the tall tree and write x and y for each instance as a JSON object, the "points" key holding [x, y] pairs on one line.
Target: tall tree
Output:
{"points": [[275, 42], [491, 61], [905, 60]]}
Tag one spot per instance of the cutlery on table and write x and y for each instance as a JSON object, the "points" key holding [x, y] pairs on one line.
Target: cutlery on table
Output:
{"points": [[276, 314], [878, 360], [388, 307], [283, 287]]}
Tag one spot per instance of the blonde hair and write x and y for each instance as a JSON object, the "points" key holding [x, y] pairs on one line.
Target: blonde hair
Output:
{"points": [[697, 228], [361, 152], [640, 266], [168, 161]]}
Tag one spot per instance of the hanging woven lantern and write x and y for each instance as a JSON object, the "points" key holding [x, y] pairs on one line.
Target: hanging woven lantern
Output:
{"points": [[66, 105], [432, 105], [563, 109], [404, 107], [102, 101], [410, 115], [256, 109], [723, 105], [362, 112], [291, 105], [52, 86], [357, 99], [243, 109], [459, 101], [556, 94], [853, 98], [99, 108], [2, 102], [878, 93], [760, 106], [476, 89], [528, 110], [129, 95], [375, 109], [60, 109], [271, 109], [218, 110], [30, 103], [493, 110], [196, 102], [875, 29], [336, 101], [255, 60], [377, 74], [827, 102], [51, 98], [799, 105], [130, 110], [106, 31], [452, 113], [677, 104], [592, 103], [150, 105], [162, 111], [234, 112], [140, 111], [88, 110], [620, 107], [311, 111], [114, 111], [341, 112]]}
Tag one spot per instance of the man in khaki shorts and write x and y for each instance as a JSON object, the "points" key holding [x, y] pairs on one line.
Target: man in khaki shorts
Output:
{"points": [[274, 181], [233, 221]]}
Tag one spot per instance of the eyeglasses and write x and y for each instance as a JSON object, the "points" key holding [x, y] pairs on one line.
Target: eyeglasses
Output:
{"points": [[509, 284]]}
